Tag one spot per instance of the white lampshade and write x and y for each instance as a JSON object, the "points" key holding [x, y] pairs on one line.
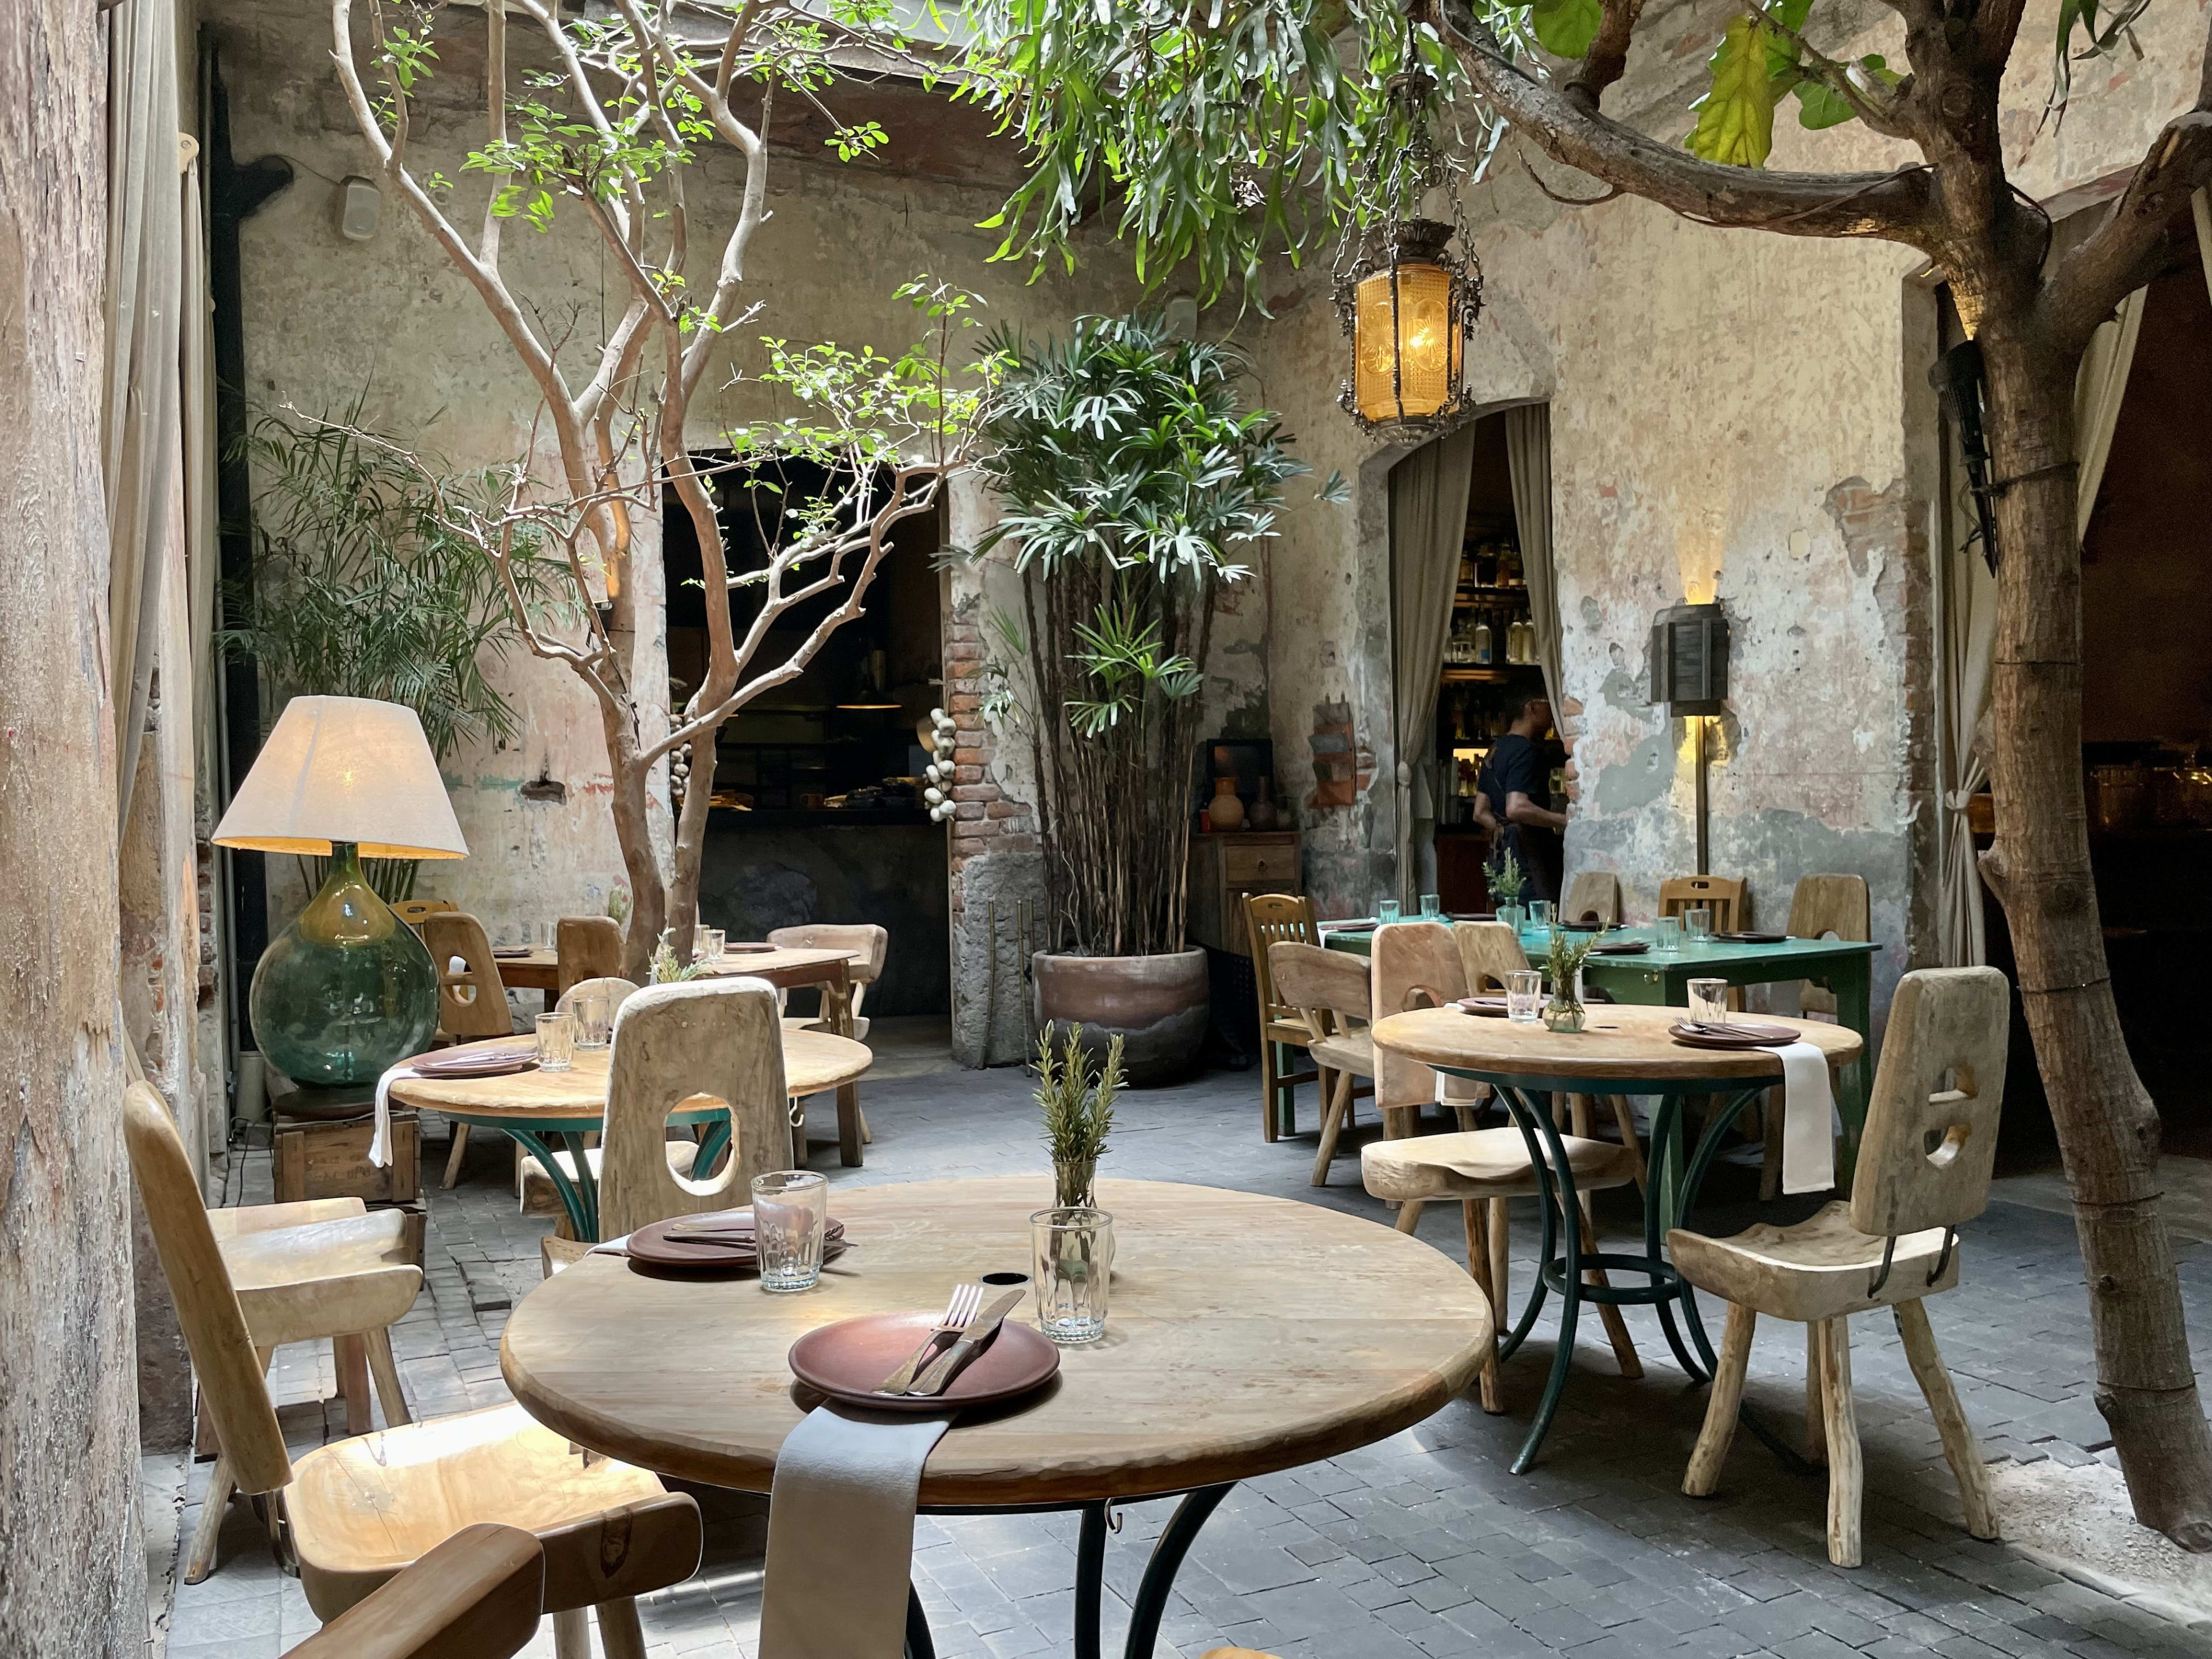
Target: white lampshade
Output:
{"points": [[344, 768]]}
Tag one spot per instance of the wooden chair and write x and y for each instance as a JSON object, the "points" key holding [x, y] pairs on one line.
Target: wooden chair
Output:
{"points": [[1416, 964], [472, 1003], [533, 1186], [1923, 1171], [872, 943], [411, 911], [475, 1596], [618, 989], [1328, 991], [354, 1515], [1821, 907], [586, 947], [1593, 896], [1270, 918], [1725, 895]]}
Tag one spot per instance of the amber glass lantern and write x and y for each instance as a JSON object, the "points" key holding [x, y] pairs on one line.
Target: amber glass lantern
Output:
{"points": [[1408, 313]]}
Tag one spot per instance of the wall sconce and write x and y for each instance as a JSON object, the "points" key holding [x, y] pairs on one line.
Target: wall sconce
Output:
{"points": [[1689, 676]]}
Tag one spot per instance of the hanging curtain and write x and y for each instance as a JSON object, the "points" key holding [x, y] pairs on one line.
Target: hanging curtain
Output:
{"points": [[2201, 205], [1428, 523], [2100, 387], [1528, 454], [1966, 594], [145, 254]]}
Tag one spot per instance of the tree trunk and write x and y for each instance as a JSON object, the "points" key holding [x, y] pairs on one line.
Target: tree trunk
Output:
{"points": [[631, 804], [72, 1570], [2039, 869]]}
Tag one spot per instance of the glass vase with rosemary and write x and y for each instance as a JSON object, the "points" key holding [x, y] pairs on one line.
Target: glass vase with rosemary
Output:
{"points": [[1563, 966], [1076, 1104], [1506, 879]]}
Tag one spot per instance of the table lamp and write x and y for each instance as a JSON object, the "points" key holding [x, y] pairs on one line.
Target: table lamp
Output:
{"points": [[348, 989]]}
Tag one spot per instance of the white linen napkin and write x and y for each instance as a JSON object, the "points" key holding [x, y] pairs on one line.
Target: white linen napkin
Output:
{"points": [[841, 1534], [379, 1144], [1808, 1138]]}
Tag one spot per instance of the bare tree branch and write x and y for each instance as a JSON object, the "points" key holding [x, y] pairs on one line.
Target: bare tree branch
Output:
{"points": [[2126, 251]]}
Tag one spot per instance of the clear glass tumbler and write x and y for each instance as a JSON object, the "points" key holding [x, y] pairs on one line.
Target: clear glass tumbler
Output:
{"points": [[790, 1214], [1539, 913], [1074, 1270], [1709, 1002], [1433, 906], [556, 1041], [594, 1011], [1524, 996], [1697, 923], [1667, 936], [1387, 911], [708, 944]]}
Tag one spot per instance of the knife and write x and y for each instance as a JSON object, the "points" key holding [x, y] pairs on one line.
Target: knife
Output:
{"points": [[978, 1330]]}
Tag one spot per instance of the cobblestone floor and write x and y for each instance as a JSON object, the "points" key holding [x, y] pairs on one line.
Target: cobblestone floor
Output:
{"points": [[1423, 1545]]}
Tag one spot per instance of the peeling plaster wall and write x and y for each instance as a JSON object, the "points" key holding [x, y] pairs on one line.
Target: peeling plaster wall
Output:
{"points": [[1733, 414]]}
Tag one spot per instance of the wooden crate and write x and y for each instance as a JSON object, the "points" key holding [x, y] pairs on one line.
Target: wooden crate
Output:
{"points": [[331, 1160]]}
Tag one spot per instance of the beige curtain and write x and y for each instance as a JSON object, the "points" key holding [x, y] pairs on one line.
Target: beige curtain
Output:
{"points": [[1428, 523], [145, 254], [2100, 387], [1528, 454], [1966, 594], [2201, 205]]}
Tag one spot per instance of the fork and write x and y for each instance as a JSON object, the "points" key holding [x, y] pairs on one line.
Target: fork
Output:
{"points": [[963, 1305]]}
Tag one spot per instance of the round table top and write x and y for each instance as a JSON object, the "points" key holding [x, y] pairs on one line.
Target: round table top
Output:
{"points": [[1618, 1041], [812, 1061], [786, 966], [1245, 1334]]}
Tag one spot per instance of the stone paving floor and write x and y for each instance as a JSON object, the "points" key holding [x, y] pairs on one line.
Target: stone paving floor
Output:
{"points": [[1423, 1545]]}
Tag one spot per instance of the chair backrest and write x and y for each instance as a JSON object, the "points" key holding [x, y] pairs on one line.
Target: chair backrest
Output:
{"points": [[1415, 964], [230, 1373], [586, 947], [1931, 1128], [1325, 988], [1593, 896], [1270, 918], [480, 1594], [872, 943], [472, 1003], [720, 1038], [1488, 951], [1821, 905], [618, 990], [1725, 895], [411, 911]]}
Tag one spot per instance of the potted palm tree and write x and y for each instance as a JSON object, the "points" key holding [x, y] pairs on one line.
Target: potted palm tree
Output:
{"points": [[1133, 486]]}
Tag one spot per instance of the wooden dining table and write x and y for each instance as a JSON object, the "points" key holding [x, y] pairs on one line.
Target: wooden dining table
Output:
{"points": [[532, 1105], [788, 969], [1623, 1049], [1245, 1336]]}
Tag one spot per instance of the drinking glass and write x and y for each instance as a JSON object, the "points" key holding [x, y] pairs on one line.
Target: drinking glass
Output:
{"points": [[1074, 1271], [1709, 1002], [556, 1041], [1433, 906], [593, 1012], [1539, 913], [1697, 923], [1387, 911], [1667, 936], [708, 944], [1524, 996], [790, 1214]]}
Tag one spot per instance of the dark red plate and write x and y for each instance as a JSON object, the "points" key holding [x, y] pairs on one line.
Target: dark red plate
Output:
{"points": [[483, 1062], [652, 1245], [1735, 1035], [1488, 1007], [1752, 938], [846, 1361]]}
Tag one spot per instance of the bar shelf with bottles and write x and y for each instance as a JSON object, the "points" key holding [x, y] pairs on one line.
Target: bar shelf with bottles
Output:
{"points": [[1490, 664]]}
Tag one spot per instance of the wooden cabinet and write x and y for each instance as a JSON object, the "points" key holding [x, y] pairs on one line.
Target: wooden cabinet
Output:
{"points": [[1224, 868]]}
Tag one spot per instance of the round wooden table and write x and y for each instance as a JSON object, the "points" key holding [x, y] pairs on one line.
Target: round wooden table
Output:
{"points": [[529, 1105], [1246, 1335], [1625, 1050]]}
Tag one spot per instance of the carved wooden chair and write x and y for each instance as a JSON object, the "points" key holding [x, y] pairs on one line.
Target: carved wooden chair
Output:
{"points": [[1824, 907], [471, 999], [1923, 1171], [618, 989], [1270, 918], [1726, 897], [411, 911], [586, 947], [1593, 896], [1327, 992], [870, 943], [354, 1515], [477, 1595]]}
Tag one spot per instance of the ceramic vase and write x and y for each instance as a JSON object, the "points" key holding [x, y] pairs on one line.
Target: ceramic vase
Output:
{"points": [[1226, 810]]}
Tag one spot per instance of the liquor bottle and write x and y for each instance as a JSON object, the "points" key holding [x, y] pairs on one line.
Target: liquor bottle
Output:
{"points": [[1482, 641]]}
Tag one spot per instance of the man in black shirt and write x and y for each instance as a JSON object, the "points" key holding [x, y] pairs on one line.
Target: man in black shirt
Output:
{"points": [[1514, 782]]}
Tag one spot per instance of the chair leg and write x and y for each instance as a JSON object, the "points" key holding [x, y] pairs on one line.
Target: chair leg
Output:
{"points": [[214, 1507], [867, 1135], [1960, 1450], [619, 1635], [1616, 1328], [1816, 1423], [350, 1355], [1331, 1124], [1625, 1121], [1770, 1162], [1270, 1096], [1501, 1262], [1724, 1405], [571, 1634], [454, 1157], [1474, 1216], [386, 1373], [1845, 1477], [1409, 1215]]}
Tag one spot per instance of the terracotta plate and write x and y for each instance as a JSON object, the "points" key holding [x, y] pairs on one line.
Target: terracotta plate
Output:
{"points": [[1489, 1007], [652, 1245], [483, 1062], [751, 947], [1751, 938], [846, 1361], [1733, 1035]]}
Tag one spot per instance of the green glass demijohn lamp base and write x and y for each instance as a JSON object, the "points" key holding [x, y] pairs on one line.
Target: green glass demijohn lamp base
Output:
{"points": [[348, 989]]}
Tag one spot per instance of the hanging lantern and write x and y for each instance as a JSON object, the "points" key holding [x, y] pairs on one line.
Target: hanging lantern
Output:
{"points": [[1408, 306]]}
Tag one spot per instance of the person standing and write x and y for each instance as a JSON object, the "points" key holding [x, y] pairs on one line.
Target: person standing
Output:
{"points": [[1512, 781]]}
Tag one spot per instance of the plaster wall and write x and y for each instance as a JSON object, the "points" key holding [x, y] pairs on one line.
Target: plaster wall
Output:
{"points": [[1735, 415]]}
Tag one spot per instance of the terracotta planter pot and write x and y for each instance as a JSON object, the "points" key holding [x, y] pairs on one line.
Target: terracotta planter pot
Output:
{"points": [[1158, 1004]]}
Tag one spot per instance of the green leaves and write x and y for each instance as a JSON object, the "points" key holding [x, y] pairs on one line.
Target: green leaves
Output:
{"points": [[1822, 106], [1735, 117], [2102, 38], [1566, 27]]}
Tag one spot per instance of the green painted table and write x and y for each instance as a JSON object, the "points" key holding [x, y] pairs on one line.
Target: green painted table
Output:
{"points": [[1844, 967]]}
